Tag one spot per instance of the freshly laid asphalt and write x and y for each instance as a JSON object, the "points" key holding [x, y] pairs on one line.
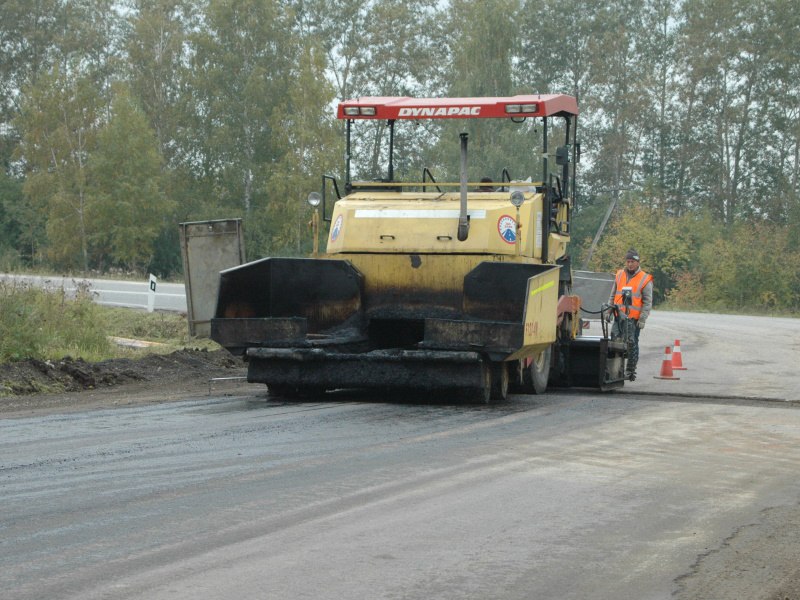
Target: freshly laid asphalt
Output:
{"points": [[725, 356]]}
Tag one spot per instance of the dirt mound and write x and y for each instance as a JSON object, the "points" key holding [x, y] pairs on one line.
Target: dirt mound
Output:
{"points": [[72, 375]]}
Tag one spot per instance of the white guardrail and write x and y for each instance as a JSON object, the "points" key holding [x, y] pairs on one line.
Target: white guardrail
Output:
{"points": [[148, 295]]}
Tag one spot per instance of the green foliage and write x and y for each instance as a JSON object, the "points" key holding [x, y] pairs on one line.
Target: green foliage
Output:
{"points": [[664, 243], [128, 210], [302, 124], [753, 268], [59, 120], [698, 264], [29, 31], [242, 66], [42, 324], [97, 185], [166, 261], [483, 35], [157, 69], [11, 220]]}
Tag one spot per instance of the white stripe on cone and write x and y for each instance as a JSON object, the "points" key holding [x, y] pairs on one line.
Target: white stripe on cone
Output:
{"points": [[677, 357]]}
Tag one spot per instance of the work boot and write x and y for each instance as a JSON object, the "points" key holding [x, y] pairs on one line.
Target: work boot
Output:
{"points": [[630, 371]]}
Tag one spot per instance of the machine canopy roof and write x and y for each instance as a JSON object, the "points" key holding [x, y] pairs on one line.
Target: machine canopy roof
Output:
{"points": [[391, 107]]}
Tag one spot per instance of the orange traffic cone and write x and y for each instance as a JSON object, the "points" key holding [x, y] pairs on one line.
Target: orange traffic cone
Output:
{"points": [[666, 366], [677, 359]]}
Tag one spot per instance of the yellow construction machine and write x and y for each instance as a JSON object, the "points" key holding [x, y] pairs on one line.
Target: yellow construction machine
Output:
{"points": [[461, 287]]}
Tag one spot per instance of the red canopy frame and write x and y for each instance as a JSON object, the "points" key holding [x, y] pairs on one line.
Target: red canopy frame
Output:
{"points": [[394, 108]]}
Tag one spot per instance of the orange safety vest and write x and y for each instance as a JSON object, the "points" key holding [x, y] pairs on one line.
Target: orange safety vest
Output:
{"points": [[636, 283]]}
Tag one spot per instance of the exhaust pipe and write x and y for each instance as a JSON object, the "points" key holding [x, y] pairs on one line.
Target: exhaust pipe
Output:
{"points": [[463, 219]]}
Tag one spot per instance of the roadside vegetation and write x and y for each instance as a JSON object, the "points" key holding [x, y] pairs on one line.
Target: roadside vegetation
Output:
{"points": [[50, 325], [700, 265]]}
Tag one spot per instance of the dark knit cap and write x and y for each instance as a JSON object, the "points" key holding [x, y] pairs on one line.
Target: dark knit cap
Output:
{"points": [[632, 254]]}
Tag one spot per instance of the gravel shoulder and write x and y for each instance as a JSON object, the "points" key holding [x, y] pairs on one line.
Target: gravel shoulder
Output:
{"points": [[35, 387]]}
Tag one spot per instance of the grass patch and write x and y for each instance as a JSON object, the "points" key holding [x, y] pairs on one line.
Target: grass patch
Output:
{"points": [[49, 325], [168, 328], [45, 324], [139, 324]]}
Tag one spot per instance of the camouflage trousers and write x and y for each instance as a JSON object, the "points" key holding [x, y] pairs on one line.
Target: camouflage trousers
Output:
{"points": [[627, 329]]}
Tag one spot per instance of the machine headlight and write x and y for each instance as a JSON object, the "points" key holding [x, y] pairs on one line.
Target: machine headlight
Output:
{"points": [[314, 198], [517, 198], [516, 109], [363, 111]]}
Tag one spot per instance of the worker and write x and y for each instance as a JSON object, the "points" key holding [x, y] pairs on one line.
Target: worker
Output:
{"points": [[636, 307], [485, 185]]}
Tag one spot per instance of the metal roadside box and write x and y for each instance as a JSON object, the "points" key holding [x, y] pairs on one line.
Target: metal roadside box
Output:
{"points": [[208, 247]]}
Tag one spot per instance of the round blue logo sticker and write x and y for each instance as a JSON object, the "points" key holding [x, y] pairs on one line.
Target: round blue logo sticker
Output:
{"points": [[507, 228]]}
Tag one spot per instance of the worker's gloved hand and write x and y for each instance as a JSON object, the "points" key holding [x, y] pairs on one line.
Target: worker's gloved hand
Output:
{"points": [[610, 316], [640, 324]]}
